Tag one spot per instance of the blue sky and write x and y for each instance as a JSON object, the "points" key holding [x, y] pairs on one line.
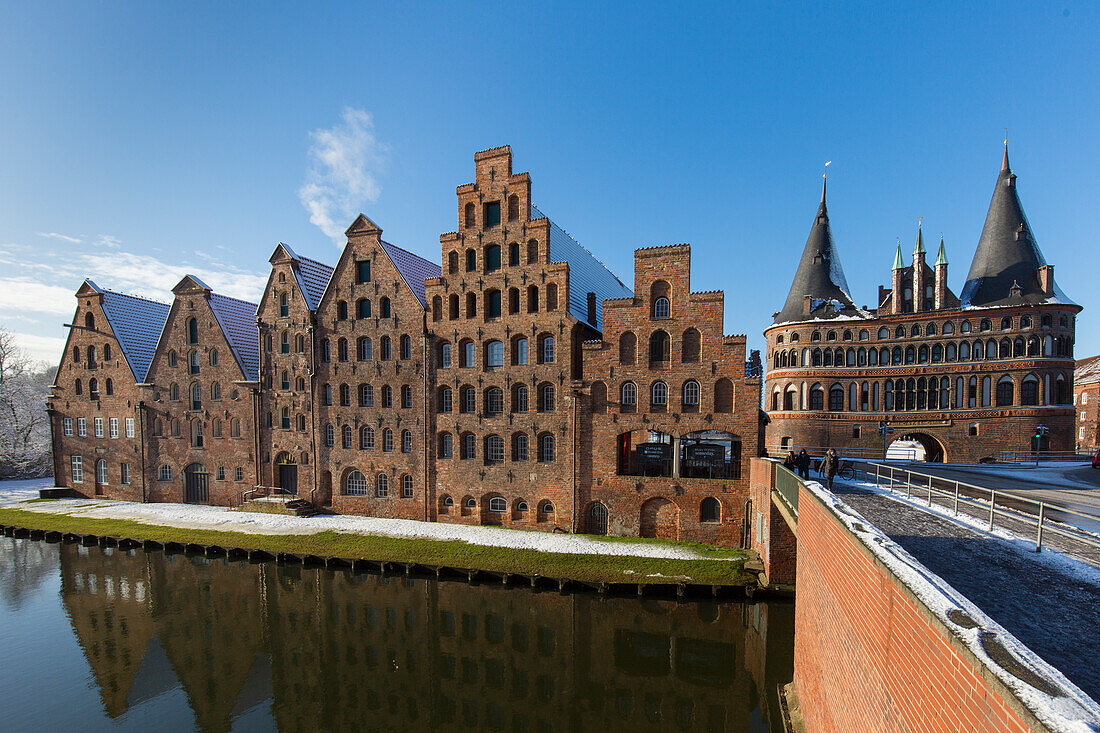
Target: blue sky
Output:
{"points": [[174, 138]]}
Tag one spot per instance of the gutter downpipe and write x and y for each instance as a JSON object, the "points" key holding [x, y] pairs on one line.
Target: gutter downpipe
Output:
{"points": [[141, 430], [427, 436], [313, 403]]}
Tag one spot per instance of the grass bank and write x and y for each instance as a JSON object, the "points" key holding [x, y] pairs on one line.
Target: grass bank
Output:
{"points": [[726, 567]]}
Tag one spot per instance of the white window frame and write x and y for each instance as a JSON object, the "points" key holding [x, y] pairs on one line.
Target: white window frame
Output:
{"points": [[76, 468], [129, 427], [67, 426], [112, 427], [97, 424], [81, 427]]}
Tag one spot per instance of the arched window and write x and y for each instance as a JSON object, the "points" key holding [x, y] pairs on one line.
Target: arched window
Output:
{"points": [[387, 441], [532, 299], [519, 447], [546, 397], [384, 308], [109, 386], [407, 486], [551, 297], [235, 428], [494, 354], [366, 395], [366, 438], [690, 346], [817, 398], [406, 441], [387, 395], [884, 333], [519, 398], [513, 207], [494, 400], [513, 254], [345, 437], [599, 398], [691, 396], [498, 504], [444, 356], [494, 449], [1029, 391], [385, 348], [364, 308], [196, 396], [469, 446], [382, 486], [836, 398], [467, 399], [546, 349], [519, 350], [192, 331], [546, 448], [446, 445], [658, 396], [342, 350], [437, 308], [661, 308], [1005, 390], [710, 510], [330, 435], [452, 311], [467, 354], [627, 345], [193, 362], [444, 400], [406, 347], [89, 321], [196, 433], [345, 395], [532, 251]]}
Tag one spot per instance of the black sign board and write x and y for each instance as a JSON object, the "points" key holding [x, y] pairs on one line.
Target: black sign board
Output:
{"points": [[654, 452], [708, 454]]}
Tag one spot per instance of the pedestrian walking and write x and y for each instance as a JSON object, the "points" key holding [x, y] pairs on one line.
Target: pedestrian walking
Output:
{"points": [[830, 466], [790, 462], [803, 463]]}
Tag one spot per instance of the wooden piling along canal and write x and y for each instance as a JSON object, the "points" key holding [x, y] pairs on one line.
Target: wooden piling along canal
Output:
{"points": [[681, 591]]}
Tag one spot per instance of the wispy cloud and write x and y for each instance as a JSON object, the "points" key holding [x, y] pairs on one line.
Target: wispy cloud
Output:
{"points": [[63, 237], [20, 295], [344, 160], [106, 240]]}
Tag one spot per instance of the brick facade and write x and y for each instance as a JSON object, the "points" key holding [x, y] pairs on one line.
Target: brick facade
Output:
{"points": [[1086, 403], [478, 392]]}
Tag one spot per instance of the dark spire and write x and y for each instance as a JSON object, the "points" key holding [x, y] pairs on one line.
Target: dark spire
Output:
{"points": [[1007, 252], [819, 276], [918, 248], [941, 258]]}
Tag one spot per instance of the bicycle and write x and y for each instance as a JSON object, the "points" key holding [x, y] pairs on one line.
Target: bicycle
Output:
{"points": [[845, 470]]}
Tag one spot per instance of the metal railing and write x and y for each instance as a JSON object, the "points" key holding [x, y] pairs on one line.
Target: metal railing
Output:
{"points": [[1030, 456], [786, 485], [987, 502]]}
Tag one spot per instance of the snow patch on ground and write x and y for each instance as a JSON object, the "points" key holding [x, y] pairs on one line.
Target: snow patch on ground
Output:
{"points": [[196, 516], [1073, 712]]}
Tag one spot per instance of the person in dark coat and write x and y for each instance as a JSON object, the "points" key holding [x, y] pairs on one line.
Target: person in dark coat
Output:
{"points": [[830, 466], [803, 463], [790, 462]]}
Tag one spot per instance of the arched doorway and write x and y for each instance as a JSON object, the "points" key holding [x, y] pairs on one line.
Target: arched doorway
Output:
{"points": [[660, 518], [286, 473], [596, 518], [916, 447], [196, 484]]}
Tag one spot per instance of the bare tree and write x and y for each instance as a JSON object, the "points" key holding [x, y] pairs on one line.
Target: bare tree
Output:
{"points": [[24, 424]]}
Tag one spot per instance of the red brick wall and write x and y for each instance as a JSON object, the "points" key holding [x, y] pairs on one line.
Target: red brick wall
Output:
{"points": [[1086, 402], [769, 533], [868, 656]]}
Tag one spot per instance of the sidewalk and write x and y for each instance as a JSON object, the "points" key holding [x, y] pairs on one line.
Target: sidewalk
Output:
{"points": [[1049, 601]]}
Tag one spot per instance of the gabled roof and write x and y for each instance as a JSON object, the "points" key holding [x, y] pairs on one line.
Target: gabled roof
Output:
{"points": [[1087, 371], [237, 319], [586, 273], [820, 276], [313, 276], [413, 268], [1007, 253], [136, 323]]}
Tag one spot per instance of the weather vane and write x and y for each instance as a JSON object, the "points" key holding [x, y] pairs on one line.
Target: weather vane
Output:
{"points": [[826, 173], [920, 220]]}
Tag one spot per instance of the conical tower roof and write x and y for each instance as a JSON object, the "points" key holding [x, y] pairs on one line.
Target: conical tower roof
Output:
{"points": [[1007, 251], [819, 276]]}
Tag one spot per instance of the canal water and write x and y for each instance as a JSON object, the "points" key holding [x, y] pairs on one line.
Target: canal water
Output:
{"points": [[108, 639]]}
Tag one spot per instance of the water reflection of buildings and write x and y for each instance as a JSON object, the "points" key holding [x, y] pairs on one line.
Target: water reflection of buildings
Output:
{"points": [[23, 567], [337, 651]]}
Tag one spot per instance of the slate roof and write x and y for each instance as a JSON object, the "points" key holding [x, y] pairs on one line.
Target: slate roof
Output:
{"points": [[586, 273], [413, 268], [820, 276], [237, 319], [1007, 252], [137, 323], [313, 276], [1087, 371]]}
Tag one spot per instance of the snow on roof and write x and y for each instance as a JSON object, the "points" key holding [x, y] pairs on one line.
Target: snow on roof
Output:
{"points": [[137, 323], [1087, 370], [413, 268], [237, 319], [586, 273]]}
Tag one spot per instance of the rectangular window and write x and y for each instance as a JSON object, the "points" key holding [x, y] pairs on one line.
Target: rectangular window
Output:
{"points": [[67, 426], [492, 214], [129, 427], [973, 431], [363, 271], [124, 471], [493, 304], [444, 356], [98, 423], [81, 427], [238, 474], [77, 464], [855, 431], [112, 427]]}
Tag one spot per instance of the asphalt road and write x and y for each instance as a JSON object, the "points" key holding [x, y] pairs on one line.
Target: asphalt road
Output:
{"points": [[1073, 486]]}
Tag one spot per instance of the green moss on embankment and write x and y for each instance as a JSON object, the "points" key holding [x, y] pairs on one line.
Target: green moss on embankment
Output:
{"points": [[450, 553]]}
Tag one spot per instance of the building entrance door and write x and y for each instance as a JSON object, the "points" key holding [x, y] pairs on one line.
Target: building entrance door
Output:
{"points": [[288, 478], [196, 484], [597, 519]]}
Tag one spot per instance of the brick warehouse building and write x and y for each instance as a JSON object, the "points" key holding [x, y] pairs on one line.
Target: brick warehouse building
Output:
{"points": [[967, 376], [1086, 402], [488, 391]]}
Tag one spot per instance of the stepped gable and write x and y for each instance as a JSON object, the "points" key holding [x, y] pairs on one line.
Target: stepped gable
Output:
{"points": [[237, 319], [136, 323], [819, 276], [586, 273], [413, 268], [1005, 266]]}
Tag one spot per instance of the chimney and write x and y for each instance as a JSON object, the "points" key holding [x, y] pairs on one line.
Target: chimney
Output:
{"points": [[1046, 279], [592, 310], [807, 304]]}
